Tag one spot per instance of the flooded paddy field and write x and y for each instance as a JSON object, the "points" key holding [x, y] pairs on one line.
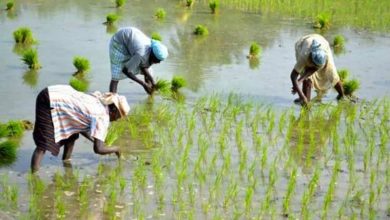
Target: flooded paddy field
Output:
{"points": [[233, 145]]}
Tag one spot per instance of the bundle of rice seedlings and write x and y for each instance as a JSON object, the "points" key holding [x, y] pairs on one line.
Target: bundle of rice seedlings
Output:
{"points": [[23, 35], [351, 86], [10, 5], [15, 128], [160, 13], [343, 74], [3, 130], [201, 30], [254, 50], [322, 21], [79, 84], [189, 3], [30, 57], [177, 83], [339, 41], [111, 18], [81, 64], [8, 152], [156, 36], [162, 85], [214, 4], [119, 3]]}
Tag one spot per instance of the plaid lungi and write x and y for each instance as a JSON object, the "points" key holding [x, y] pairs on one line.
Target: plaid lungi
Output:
{"points": [[118, 57], [43, 133]]}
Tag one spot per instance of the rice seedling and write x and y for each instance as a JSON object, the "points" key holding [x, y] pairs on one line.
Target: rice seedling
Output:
{"points": [[162, 86], [160, 13], [201, 30], [254, 50], [111, 18], [30, 57], [189, 3], [12, 129], [79, 84], [156, 36], [10, 5], [24, 35], [214, 5], [119, 3], [290, 190], [322, 21], [177, 82], [339, 41], [343, 74], [351, 86], [8, 152], [81, 64]]}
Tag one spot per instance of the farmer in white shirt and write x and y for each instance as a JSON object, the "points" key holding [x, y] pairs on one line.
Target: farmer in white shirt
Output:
{"points": [[316, 67], [132, 53]]}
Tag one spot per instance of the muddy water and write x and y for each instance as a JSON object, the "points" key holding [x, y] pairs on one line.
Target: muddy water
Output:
{"points": [[215, 63]]}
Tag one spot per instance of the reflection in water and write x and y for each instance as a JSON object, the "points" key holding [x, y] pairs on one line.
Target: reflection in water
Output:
{"points": [[30, 77], [254, 63], [111, 28]]}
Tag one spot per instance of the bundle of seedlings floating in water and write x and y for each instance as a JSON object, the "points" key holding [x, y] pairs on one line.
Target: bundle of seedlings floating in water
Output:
{"points": [[156, 36], [160, 14], [111, 18], [339, 41], [30, 57], [12, 129], [81, 64], [349, 86], [322, 21], [214, 4], [254, 51], [79, 83], [8, 150], [201, 30], [119, 3], [24, 35], [9, 6], [177, 82]]}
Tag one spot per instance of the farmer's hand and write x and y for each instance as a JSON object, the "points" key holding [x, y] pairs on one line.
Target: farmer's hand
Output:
{"points": [[148, 89]]}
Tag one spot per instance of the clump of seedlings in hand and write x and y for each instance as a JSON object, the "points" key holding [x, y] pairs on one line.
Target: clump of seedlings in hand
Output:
{"points": [[111, 19], [201, 30], [119, 3], [214, 4], [177, 83], [162, 85], [156, 36], [351, 86], [322, 21], [79, 84], [160, 13], [10, 5], [7, 152], [23, 35], [30, 57], [339, 41], [254, 50], [81, 64]]}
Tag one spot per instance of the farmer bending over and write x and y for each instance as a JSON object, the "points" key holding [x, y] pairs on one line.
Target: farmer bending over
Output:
{"points": [[132, 53], [62, 113], [315, 66]]}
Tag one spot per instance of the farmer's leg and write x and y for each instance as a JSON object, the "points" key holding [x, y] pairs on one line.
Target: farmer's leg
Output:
{"points": [[340, 90], [36, 159], [99, 148], [306, 88], [68, 146]]}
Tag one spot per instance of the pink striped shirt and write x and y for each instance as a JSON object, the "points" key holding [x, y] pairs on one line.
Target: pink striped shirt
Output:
{"points": [[74, 112]]}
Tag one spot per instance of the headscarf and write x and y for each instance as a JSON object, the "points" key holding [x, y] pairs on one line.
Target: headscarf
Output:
{"points": [[119, 101], [318, 55], [159, 50]]}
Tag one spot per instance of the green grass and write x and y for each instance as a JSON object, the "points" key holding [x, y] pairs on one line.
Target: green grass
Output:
{"points": [[156, 36], [343, 74], [79, 84], [120, 3], [177, 83], [81, 63], [8, 152], [201, 30], [23, 35], [111, 18], [160, 13], [30, 58], [254, 50], [339, 41], [214, 5], [351, 86]]}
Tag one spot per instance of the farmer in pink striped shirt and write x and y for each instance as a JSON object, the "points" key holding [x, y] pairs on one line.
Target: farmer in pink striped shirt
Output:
{"points": [[63, 113]]}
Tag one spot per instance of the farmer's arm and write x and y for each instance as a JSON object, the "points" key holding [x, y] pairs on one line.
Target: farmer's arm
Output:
{"points": [[113, 86], [294, 80], [147, 88], [148, 76]]}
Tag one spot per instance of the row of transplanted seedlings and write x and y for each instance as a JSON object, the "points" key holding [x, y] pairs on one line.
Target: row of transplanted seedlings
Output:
{"points": [[224, 159]]}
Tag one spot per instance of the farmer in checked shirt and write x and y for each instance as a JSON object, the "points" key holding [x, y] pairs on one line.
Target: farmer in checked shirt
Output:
{"points": [[133, 53]]}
